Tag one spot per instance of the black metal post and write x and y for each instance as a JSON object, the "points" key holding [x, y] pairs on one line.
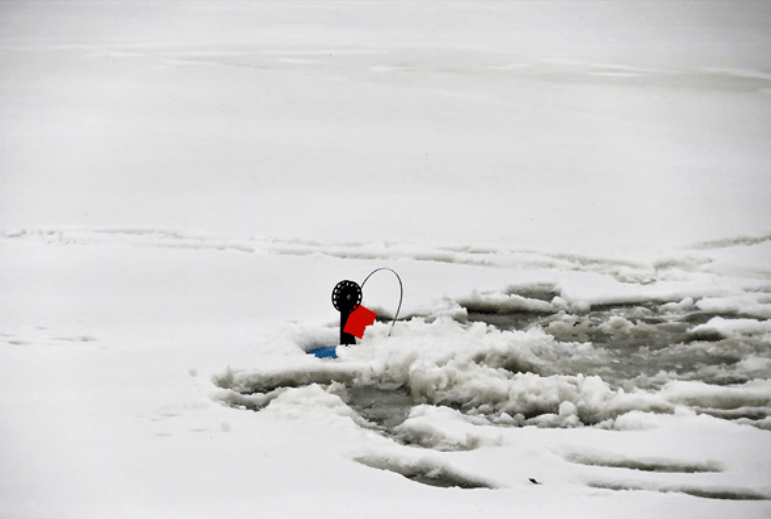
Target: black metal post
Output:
{"points": [[345, 338]]}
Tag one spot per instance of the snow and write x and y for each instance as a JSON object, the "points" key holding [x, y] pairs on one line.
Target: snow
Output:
{"points": [[573, 194]]}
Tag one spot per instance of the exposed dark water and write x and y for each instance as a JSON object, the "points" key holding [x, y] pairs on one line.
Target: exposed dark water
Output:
{"points": [[581, 368], [644, 344]]}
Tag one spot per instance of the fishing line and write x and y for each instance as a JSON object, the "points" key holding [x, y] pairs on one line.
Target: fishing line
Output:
{"points": [[401, 293]]}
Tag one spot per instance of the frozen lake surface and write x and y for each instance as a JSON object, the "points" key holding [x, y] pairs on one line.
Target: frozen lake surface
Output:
{"points": [[575, 196]]}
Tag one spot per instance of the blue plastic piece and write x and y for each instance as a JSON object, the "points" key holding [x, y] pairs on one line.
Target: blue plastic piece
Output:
{"points": [[326, 352]]}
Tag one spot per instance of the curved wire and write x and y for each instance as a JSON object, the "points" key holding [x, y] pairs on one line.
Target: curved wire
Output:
{"points": [[401, 293]]}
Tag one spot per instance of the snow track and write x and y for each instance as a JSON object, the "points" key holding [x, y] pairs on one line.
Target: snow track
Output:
{"points": [[625, 270]]}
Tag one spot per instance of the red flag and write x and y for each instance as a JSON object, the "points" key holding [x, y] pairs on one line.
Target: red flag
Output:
{"points": [[358, 320]]}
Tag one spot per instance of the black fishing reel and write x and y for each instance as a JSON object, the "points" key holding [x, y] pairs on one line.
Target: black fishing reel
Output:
{"points": [[346, 296]]}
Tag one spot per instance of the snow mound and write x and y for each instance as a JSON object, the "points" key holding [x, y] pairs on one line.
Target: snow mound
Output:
{"points": [[450, 372]]}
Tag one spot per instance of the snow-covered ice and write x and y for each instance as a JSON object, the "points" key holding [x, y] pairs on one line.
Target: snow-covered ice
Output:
{"points": [[574, 195]]}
